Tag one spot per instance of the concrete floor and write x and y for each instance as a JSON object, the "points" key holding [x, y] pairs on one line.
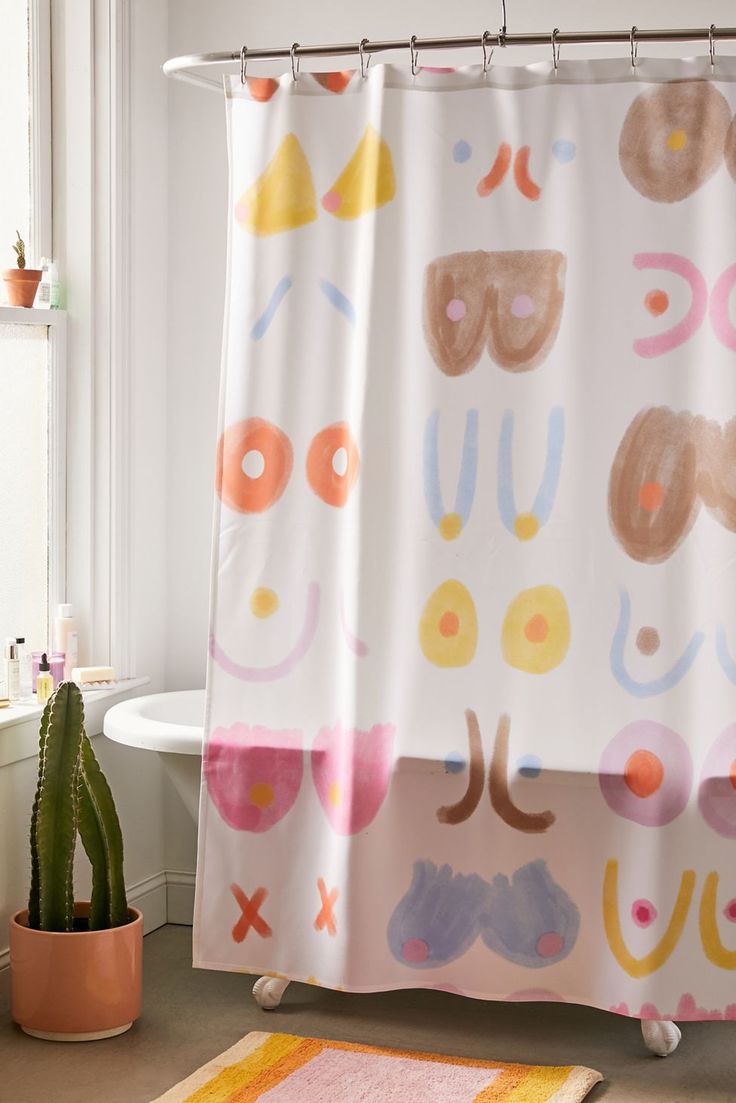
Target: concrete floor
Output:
{"points": [[190, 1016]]}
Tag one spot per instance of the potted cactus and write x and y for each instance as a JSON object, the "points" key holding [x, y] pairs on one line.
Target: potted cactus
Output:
{"points": [[21, 283], [75, 967]]}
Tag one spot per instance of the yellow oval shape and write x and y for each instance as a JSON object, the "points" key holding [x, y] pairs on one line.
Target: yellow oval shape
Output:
{"points": [[448, 628], [536, 630]]}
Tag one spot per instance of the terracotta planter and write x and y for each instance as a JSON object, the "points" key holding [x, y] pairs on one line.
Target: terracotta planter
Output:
{"points": [[78, 985], [21, 285]]}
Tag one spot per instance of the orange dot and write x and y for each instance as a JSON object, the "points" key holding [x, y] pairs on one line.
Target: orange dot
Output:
{"points": [[656, 302], [643, 773], [732, 773], [449, 624], [651, 496], [536, 629]]}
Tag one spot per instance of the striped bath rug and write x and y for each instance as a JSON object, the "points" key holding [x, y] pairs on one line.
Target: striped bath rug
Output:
{"points": [[281, 1068]]}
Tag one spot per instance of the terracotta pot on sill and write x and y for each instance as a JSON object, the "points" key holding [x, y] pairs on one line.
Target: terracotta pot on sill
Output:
{"points": [[21, 285], [76, 986]]}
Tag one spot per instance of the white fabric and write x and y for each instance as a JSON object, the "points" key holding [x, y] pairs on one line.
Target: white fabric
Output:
{"points": [[343, 650]]}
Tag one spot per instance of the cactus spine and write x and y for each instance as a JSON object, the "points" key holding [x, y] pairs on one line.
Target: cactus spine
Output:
{"points": [[72, 796]]}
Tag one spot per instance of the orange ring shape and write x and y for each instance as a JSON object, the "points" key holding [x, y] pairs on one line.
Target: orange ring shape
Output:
{"points": [[240, 491], [327, 484]]}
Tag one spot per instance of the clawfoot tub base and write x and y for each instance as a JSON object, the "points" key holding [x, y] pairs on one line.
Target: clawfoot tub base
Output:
{"points": [[661, 1038], [267, 992]]}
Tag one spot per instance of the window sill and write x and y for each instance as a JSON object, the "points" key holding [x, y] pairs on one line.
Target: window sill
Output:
{"points": [[19, 723], [31, 315]]}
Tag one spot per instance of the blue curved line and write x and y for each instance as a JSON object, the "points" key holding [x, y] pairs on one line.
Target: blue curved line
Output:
{"points": [[728, 665], [658, 685], [545, 498], [505, 493], [468, 468], [339, 301], [432, 490], [274, 303]]}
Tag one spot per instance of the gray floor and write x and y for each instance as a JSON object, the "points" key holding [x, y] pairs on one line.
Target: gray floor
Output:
{"points": [[190, 1016]]}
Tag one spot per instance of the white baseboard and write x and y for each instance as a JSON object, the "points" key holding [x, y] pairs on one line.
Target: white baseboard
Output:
{"points": [[166, 897]]}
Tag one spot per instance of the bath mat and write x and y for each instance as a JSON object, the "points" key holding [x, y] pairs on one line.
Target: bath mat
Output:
{"points": [[281, 1068]]}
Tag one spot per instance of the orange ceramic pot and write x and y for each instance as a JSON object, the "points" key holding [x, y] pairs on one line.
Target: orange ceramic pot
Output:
{"points": [[78, 985], [21, 285]]}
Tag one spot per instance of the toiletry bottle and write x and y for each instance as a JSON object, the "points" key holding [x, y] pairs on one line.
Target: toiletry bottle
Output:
{"points": [[54, 289], [24, 658], [66, 638], [12, 668], [44, 681], [43, 295]]}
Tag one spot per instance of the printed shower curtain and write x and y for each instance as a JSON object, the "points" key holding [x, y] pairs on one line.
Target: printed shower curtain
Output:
{"points": [[472, 681]]}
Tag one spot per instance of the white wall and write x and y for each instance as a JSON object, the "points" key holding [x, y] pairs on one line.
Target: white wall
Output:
{"points": [[197, 216]]}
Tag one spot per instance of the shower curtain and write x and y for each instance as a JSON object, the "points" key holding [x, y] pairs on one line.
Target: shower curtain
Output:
{"points": [[471, 718]]}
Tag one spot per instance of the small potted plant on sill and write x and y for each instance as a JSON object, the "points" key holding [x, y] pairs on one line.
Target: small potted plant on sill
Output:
{"points": [[75, 967], [21, 283]]}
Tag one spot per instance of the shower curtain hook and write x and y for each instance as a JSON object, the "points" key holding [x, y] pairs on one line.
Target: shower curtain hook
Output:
{"points": [[487, 58], [363, 63], [414, 55], [634, 46], [555, 48], [294, 60], [502, 28], [712, 46]]}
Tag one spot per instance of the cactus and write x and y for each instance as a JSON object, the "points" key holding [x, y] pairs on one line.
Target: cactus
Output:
{"points": [[19, 248], [72, 797]]}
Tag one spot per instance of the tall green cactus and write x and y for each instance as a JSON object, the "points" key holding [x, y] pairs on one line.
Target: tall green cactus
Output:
{"points": [[72, 796]]}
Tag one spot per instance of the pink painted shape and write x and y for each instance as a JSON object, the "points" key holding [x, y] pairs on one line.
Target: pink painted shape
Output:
{"points": [[287, 664], [358, 647], [343, 1076], [415, 951], [720, 318], [687, 1011], [351, 771], [242, 211], [239, 757], [643, 912], [671, 338], [550, 944], [331, 201], [522, 306], [455, 310], [730, 911], [537, 995]]}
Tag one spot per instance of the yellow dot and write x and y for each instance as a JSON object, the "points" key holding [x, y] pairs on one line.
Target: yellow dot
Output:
{"points": [[451, 526], [526, 526], [261, 794], [676, 140], [333, 795], [264, 602]]}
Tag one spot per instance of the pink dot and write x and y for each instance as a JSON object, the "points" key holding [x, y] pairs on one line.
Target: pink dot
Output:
{"points": [[522, 306], [550, 944], [730, 911], [331, 201], [643, 912], [415, 951], [241, 211], [455, 310]]}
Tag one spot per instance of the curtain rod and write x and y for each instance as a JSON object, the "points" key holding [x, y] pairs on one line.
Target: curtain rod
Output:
{"points": [[180, 66]]}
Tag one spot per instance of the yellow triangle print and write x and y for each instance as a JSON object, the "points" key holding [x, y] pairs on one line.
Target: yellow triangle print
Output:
{"points": [[366, 182], [283, 196]]}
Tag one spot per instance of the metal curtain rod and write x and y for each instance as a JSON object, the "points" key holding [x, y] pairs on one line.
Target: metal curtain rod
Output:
{"points": [[180, 66]]}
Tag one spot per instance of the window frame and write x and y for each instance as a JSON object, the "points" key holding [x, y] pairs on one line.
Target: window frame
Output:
{"points": [[55, 323], [39, 44]]}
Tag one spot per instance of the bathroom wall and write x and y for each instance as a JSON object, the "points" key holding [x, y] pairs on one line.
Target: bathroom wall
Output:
{"points": [[197, 217]]}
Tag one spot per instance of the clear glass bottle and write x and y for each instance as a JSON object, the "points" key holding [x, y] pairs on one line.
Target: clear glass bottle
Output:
{"points": [[12, 668]]}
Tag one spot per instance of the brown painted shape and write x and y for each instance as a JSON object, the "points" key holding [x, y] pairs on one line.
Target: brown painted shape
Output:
{"points": [[659, 447], [521, 344], [531, 823], [729, 148], [456, 346], [654, 157], [718, 478], [458, 813]]}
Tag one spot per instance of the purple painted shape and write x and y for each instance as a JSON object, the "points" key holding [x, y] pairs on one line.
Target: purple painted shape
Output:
{"points": [[287, 664], [670, 799], [720, 318], [716, 794], [529, 919], [351, 771], [253, 774], [671, 338], [439, 911]]}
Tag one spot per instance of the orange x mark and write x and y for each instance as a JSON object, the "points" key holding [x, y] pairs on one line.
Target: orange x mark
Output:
{"points": [[250, 917], [326, 917]]}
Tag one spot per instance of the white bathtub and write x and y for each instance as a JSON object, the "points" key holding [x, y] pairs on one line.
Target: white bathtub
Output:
{"points": [[170, 724]]}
